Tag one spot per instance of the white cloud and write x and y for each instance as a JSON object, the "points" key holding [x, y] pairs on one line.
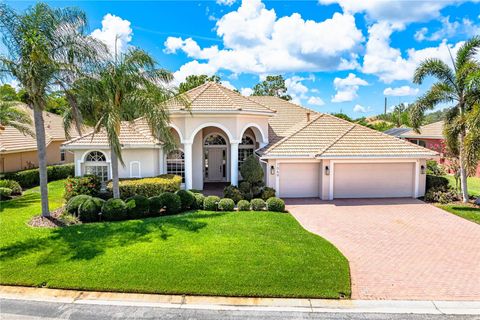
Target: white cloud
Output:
{"points": [[449, 29], [227, 84], [388, 63], [347, 88], [315, 101], [225, 2], [360, 109], [114, 29], [256, 41], [193, 68], [246, 91], [400, 91]]}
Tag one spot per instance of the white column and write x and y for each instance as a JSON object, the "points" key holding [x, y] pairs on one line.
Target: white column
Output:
{"points": [[187, 149], [234, 163], [78, 168]]}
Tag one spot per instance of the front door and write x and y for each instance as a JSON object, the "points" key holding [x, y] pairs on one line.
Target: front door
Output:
{"points": [[215, 164]]}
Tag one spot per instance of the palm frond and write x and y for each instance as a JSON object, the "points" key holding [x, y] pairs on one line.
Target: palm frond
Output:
{"points": [[435, 68], [11, 116], [467, 51]]}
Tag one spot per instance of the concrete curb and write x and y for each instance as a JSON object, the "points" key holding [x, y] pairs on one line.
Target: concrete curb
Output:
{"points": [[238, 303]]}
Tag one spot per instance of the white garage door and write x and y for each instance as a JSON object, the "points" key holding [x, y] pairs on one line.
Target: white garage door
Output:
{"points": [[373, 180], [299, 180]]}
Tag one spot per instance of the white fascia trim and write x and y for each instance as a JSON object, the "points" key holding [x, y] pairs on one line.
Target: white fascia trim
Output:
{"points": [[239, 112], [424, 156], [106, 146], [289, 157]]}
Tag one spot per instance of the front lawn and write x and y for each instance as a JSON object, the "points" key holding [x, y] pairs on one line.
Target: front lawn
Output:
{"points": [[210, 253], [466, 211], [472, 182]]}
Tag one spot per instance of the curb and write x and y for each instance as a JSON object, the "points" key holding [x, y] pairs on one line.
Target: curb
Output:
{"points": [[238, 303]]}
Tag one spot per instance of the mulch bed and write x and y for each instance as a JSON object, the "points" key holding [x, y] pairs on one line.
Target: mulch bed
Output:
{"points": [[55, 220]]}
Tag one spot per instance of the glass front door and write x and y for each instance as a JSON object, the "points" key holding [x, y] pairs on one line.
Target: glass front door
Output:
{"points": [[215, 164]]}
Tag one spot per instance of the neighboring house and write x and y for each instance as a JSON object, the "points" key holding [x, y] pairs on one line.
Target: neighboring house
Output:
{"points": [[304, 153], [19, 151], [430, 136]]}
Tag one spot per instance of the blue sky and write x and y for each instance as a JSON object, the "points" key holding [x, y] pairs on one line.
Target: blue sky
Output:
{"points": [[337, 55]]}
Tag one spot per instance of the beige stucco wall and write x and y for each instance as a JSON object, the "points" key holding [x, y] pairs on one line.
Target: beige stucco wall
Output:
{"points": [[26, 160]]}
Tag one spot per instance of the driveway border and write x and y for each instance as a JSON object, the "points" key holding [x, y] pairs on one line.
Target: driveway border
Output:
{"points": [[240, 303]]}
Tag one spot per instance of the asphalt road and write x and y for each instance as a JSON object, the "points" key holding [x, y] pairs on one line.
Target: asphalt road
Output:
{"points": [[26, 309]]}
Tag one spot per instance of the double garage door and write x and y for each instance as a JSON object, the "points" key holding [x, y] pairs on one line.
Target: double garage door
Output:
{"points": [[350, 180]]}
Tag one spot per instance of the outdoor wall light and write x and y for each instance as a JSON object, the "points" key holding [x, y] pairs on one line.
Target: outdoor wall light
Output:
{"points": [[422, 169], [272, 169], [327, 170]]}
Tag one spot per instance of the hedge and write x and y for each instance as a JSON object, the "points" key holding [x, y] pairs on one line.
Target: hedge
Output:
{"points": [[436, 182], [86, 185], [30, 178], [148, 187]]}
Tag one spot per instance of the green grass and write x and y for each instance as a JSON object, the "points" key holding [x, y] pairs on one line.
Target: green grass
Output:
{"points": [[210, 253], [472, 182], [462, 210]]}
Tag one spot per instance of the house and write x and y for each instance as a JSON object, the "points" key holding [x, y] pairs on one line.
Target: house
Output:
{"points": [[19, 151], [304, 153], [430, 136]]}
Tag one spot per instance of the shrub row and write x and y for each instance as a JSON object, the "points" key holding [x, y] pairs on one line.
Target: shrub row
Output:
{"points": [[148, 187], [13, 185], [30, 178]]}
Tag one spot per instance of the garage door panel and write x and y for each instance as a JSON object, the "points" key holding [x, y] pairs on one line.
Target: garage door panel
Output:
{"points": [[299, 180], [373, 180]]}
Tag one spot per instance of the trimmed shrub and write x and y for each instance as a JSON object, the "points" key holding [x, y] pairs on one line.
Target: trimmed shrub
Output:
{"points": [[232, 192], [441, 195], [258, 204], [211, 203], [11, 184], [171, 202], [137, 207], [436, 182], [186, 197], [30, 178], [86, 185], [251, 170], [198, 203], [89, 210], [148, 187], [155, 205], [268, 193], [433, 168], [243, 205], [275, 204], [114, 210], [226, 204], [75, 202], [244, 186], [5, 193]]}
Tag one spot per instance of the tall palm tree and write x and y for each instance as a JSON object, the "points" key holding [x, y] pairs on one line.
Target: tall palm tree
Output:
{"points": [[11, 116], [454, 86], [127, 87], [43, 45]]}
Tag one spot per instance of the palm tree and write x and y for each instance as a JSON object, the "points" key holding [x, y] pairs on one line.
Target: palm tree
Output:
{"points": [[11, 116], [43, 45], [126, 88], [454, 86]]}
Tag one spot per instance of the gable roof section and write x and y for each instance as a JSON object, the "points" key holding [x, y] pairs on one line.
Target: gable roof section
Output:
{"points": [[213, 97], [12, 140], [429, 131]]}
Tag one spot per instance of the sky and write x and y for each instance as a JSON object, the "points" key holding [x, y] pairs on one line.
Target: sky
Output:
{"points": [[336, 55]]}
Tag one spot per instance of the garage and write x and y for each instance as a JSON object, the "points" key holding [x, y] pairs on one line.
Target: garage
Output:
{"points": [[374, 180], [299, 180]]}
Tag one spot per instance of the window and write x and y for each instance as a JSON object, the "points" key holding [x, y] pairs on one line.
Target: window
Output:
{"points": [[245, 149], [95, 164], [419, 142], [62, 155], [176, 163], [135, 171], [215, 140]]}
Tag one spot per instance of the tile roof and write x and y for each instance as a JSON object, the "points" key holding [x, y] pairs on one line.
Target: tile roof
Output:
{"points": [[432, 131], [213, 97], [11, 140]]}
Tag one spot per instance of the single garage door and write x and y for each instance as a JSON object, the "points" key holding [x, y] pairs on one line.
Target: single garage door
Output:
{"points": [[374, 180], [299, 180]]}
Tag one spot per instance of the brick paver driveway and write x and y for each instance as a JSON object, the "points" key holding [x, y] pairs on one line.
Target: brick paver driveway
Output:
{"points": [[398, 248]]}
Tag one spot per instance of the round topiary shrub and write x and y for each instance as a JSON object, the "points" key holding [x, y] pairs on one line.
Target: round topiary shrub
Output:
{"points": [[170, 202], [137, 207], [11, 184], [89, 210], [268, 193], [114, 210], [75, 202], [243, 205], [198, 203], [155, 205], [211, 203], [5, 193], [186, 197], [275, 204], [232, 192], [258, 204], [226, 204]]}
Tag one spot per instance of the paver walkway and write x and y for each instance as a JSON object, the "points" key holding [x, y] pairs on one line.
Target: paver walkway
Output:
{"points": [[398, 248]]}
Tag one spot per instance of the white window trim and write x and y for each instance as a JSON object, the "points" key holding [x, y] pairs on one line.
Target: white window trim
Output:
{"points": [[139, 169]]}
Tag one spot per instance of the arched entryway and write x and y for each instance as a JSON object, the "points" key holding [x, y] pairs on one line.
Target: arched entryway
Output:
{"points": [[215, 156]]}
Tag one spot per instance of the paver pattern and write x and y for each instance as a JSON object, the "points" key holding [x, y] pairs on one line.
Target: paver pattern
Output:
{"points": [[398, 248]]}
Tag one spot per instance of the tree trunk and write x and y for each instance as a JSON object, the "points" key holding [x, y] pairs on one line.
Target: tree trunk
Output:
{"points": [[463, 171], [115, 187], [42, 158]]}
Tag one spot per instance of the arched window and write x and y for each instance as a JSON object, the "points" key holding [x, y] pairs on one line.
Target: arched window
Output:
{"points": [[214, 140], [245, 149], [176, 163], [96, 164]]}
